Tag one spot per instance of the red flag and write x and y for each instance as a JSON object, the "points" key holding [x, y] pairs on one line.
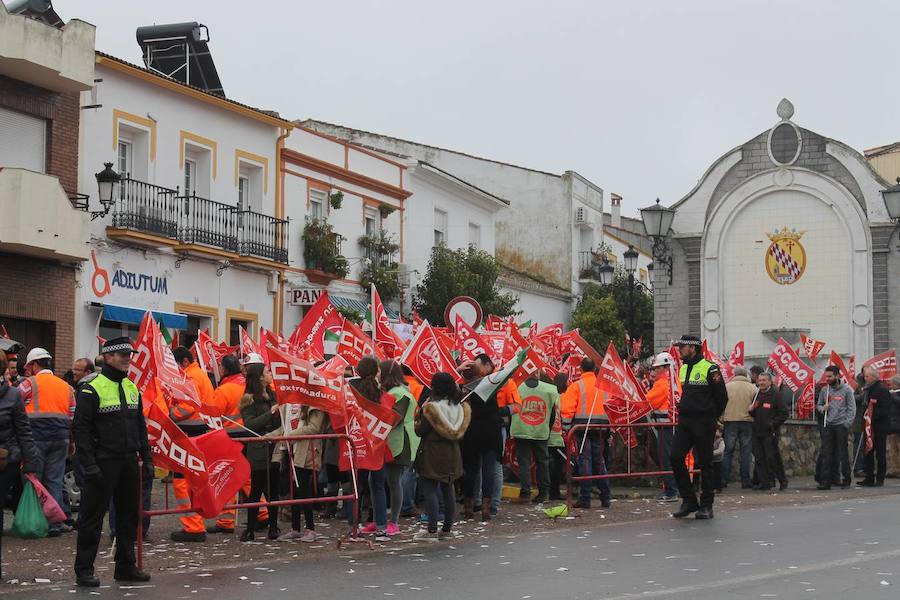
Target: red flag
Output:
{"points": [[626, 402], [416, 320], [382, 334], [811, 346], [806, 404], [495, 323], [706, 353], [143, 366], [425, 356], [586, 349], [248, 345], [468, 342], [311, 331], [368, 425], [336, 365], [354, 344], [867, 425], [296, 381], [173, 449], [531, 367], [496, 343], [736, 358], [226, 472], [550, 336], [514, 342], [885, 364], [787, 365], [848, 375]]}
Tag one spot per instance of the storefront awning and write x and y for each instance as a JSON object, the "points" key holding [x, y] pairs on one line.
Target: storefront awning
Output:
{"points": [[359, 306], [126, 314]]}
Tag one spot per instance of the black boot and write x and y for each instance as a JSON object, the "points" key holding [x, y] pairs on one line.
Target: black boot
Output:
{"points": [[686, 509], [131, 574], [184, 536], [87, 580], [704, 513]]}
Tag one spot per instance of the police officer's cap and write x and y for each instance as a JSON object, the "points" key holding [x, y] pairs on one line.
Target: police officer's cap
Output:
{"points": [[689, 340], [116, 345]]}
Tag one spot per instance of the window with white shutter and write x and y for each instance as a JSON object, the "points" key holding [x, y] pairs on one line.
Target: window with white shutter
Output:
{"points": [[23, 141]]}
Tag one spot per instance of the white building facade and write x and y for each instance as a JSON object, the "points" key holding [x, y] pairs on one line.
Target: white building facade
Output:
{"points": [[197, 233], [786, 234], [539, 240]]}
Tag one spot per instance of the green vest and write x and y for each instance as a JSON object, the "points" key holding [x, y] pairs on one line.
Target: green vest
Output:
{"points": [[699, 374], [108, 393], [405, 426], [532, 421]]}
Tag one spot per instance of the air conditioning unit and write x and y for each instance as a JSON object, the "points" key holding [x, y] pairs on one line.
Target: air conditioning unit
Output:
{"points": [[583, 217]]}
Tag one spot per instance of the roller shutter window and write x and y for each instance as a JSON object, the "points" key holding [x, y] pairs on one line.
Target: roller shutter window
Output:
{"points": [[23, 141]]}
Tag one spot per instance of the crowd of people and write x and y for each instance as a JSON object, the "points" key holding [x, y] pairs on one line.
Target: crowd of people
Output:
{"points": [[444, 444]]}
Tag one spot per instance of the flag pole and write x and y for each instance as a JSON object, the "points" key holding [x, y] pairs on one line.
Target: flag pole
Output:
{"points": [[590, 416]]}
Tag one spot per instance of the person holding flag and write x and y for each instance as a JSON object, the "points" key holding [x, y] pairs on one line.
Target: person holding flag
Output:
{"points": [[582, 404], [441, 424], [837, 406], [187, 416], [878, 413], [660, 398], [483, 441], [703, 401], [402, 441], [226, 401], [260, 415], [530, 430], [110, 434]]}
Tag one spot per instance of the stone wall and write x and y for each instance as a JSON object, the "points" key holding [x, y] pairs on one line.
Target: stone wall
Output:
{"points": [[799, 445]]}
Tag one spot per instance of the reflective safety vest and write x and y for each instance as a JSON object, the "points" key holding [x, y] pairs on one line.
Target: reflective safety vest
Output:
{"points": [[406, 425], [532, 422], [50, 403], [108, 394], [584, 400], [699, 374]]}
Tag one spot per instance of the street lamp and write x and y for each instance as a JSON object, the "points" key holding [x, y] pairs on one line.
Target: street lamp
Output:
{"points": [[891, 197], [630, 257], [606, 271], [108, 190], [658, 224]]}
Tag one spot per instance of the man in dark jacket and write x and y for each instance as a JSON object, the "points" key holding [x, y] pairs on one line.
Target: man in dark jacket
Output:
{"points": [[878, 398], [768, 412], [703, 400], [110, 433]]}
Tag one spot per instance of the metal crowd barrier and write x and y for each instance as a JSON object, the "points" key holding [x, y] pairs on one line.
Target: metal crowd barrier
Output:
{"points": [[354, 497], [573, 453]]}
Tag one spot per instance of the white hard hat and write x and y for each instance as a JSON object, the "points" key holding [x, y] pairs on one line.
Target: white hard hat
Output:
{"points": [[252, 358], [663, 359], [36, 354]]}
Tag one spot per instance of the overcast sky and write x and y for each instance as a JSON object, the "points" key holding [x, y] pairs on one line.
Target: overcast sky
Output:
{"points": [[639, 97]]}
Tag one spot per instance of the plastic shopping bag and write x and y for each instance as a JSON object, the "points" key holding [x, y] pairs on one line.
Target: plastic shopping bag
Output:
{"points": [[30, 522], [48, 504]]}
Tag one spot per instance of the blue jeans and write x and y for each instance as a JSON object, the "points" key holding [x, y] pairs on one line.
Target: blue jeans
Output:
{"points": [[409, 481], [379, 497], [738, 431], [51, 468], [592, 462]]}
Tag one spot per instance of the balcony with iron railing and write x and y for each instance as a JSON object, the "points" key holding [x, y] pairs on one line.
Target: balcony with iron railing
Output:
{"points": [[192, 221]]}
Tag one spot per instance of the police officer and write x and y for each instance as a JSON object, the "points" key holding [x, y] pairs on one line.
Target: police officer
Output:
{"points": [[703, 400], [110, 434]]}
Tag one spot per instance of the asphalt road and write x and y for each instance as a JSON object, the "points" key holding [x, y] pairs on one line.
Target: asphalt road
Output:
{"points": [[829, 550]]}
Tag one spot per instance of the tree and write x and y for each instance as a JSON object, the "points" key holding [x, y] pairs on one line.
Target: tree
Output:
{"points": [[453, 273], [597, 319], [618, 293]]}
